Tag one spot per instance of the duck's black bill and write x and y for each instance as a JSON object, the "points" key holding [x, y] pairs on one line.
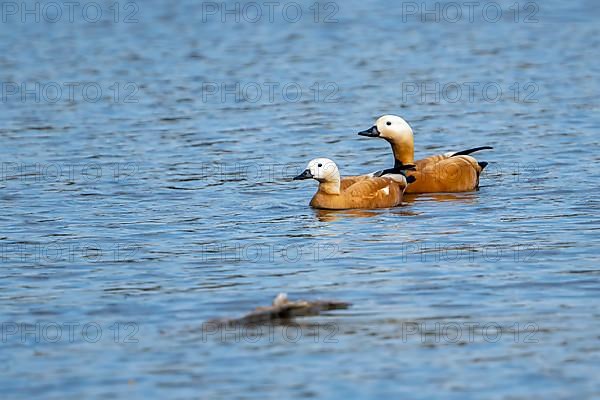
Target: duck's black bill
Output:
{"points": [[371, 132], [305, 175]]}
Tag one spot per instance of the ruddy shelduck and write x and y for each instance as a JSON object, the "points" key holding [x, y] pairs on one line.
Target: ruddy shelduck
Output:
{"points": [[355, 192], [449, 172]]}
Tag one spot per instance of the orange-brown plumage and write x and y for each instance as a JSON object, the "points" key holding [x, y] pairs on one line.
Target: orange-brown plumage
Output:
{"points": [[357, 192], [450, 172]]}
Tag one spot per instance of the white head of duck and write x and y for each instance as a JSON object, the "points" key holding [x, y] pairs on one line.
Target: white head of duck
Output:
{"points": [[321, 169]]}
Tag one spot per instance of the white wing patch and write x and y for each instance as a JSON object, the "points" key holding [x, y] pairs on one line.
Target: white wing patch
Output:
{"points": [[385, 190], [397, 178]]}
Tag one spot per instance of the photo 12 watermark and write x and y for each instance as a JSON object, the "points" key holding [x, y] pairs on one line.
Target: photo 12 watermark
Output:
{"points": [[468, 332], [270, 12], [269, 92], [264, 172], [407, 332], [264, 253], [70, 251], [514, 173], [270, 333], [470, 12], [69, 92], [425, 92], [68, 332], [258, 172], [70, 12], [20, 172], [469, 252]]}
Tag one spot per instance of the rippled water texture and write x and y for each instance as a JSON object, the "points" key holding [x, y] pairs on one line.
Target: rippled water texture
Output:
{"points": [[129, 221]]}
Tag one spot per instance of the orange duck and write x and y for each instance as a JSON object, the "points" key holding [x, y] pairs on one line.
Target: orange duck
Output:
{"points": [[362, 192], [448, 172]]}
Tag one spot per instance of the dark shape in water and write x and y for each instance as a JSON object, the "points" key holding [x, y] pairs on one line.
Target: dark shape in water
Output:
{"points": [[283, 310]]}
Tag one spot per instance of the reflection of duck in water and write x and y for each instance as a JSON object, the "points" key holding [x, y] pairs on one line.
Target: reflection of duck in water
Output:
{"points": [[334, 215], [284, 309], [339, 215], [441, 197]]}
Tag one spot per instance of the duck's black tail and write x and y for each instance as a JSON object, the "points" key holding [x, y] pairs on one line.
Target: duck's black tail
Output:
{"points": [[482, 165], [470, 151]]}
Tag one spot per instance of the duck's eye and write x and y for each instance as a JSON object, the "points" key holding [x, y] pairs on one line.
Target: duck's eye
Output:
{"points": [[320, 165], [388, 123]]}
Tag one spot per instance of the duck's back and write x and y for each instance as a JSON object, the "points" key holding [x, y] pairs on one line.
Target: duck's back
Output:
{"points": [[445, 173]]}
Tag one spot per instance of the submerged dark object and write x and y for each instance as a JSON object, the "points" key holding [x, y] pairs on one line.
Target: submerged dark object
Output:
{"points": [[283, 310]]}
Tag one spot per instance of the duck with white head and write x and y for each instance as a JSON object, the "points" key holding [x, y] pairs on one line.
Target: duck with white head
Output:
{"points": [[448, 172], [355, 192]]}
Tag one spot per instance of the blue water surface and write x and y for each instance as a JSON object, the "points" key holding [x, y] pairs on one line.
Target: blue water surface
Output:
{"points": [[147, 155]]}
